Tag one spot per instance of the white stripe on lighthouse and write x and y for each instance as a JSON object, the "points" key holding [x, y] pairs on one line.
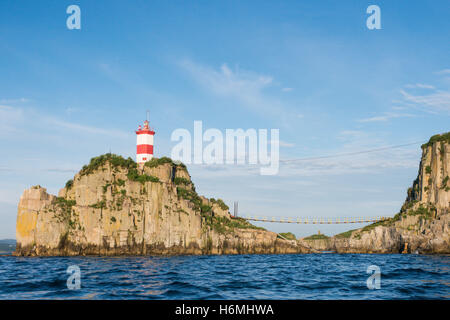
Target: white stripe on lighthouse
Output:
{"points": [[145, 138]]}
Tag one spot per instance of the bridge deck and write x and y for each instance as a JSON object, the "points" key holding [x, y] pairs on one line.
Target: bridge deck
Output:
{"points": [[314, 220]]}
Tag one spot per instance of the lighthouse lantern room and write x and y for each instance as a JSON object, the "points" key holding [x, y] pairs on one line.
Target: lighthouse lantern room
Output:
{"points": [[144, 143]]}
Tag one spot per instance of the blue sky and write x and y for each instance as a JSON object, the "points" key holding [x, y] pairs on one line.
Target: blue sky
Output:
{"points": [[309, 68]]}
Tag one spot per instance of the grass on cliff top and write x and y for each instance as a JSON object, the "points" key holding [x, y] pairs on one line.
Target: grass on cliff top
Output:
{"points": [[288, 235], [445, 137], [220, 202], [117, 161], [423, 212], [114, 159], [316, 237], [154, 162], [223, 224], [346, 234]]}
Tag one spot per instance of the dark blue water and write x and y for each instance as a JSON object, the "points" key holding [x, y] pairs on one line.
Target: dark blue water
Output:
{"points": [[309, 276]]}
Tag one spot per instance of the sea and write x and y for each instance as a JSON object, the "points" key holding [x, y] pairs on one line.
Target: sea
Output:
{"points": [[292, 276]]}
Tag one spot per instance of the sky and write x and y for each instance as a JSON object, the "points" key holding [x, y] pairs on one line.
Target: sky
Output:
{"points": [[311, 69]]}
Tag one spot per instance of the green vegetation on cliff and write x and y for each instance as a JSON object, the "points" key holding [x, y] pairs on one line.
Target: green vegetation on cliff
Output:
{"points": [[182, 181], [288, 235], [224, 224], [220, 202], [115, 161], [154, 162], [193, 197], [445, 137], [345, 235], [134, 175], [444, 184], [69, 184], [423, 212], [318, 236]]}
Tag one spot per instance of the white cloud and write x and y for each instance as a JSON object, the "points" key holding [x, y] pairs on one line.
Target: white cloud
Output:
{"points": [[419, 86], [419, 96], [359, 153], [435, 102], [386, 117], [70, 110], [12, 120], [9, 119], [239, 83], [287, 89], [246, 87], [286, 144], [12, 101], [443, 71], [83, 128], [282, 143]]}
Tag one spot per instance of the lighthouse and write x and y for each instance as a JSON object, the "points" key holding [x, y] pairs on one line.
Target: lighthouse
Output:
{"points": [[144, 143]]}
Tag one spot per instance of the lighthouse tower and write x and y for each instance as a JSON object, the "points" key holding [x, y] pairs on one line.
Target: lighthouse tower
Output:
{"points": [[144, 143]]}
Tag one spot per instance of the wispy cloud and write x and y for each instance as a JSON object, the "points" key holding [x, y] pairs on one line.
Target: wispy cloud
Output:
{"points": [[360, 152], [386, 116], [284, 144], [10, 117], [239, 83], [246, 87], [419, 97], [434, 102], [443, 71], [12, 101], [84, 128], [419, 86]]}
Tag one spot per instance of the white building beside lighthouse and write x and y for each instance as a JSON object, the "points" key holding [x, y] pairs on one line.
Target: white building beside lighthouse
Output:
{"points": [[144, 143]]}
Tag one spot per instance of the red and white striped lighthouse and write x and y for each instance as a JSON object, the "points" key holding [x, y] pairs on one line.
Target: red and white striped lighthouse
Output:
{"points": [[144, 143]]}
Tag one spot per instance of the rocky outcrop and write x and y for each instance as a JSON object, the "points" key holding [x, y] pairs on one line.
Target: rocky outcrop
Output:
{"points": [[423, 223], [114, 207]]}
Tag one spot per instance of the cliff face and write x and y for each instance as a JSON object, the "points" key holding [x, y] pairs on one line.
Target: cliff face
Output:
{"points": [[112, 207], [423, 223]]}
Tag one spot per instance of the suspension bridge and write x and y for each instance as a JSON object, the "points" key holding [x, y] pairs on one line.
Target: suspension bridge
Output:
{"points": [[314, 220]]}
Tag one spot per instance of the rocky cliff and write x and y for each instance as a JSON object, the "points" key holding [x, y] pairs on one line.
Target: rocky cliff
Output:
{"points": [[114, 207], [423, 223]]}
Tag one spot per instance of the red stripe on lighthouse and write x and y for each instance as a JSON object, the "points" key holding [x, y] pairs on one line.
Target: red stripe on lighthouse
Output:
{"points": [[143, 131], [144, 148]]}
